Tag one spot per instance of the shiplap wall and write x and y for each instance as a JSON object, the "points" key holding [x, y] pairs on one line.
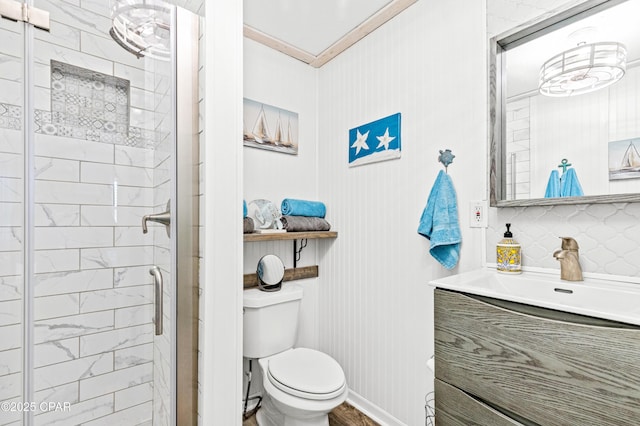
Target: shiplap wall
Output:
{"points": [[375, 307], [278, 80], [371, 306], [372, 309]]}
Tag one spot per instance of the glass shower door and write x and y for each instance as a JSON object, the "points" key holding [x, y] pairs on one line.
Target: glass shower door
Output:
{"points": [[99, 145], [12, 182]]}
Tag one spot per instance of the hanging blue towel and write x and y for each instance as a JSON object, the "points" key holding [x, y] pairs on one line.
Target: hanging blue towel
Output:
{"points": [[553, 186], [569, 184], [439, 222], [293, 207], [244, 208]]}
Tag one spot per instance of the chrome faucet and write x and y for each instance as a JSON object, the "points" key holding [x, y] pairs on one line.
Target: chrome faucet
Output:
{"points": [[163, 218], [570, 269]]}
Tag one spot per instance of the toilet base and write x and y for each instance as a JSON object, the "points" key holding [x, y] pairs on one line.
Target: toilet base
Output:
{"points": [[269, 415]]}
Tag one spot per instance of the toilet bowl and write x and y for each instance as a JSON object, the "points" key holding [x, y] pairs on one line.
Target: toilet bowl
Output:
{"points": [[301, 387]]}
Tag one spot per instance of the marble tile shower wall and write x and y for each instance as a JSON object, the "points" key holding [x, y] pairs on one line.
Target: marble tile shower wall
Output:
{"points": [[518, 147], [162, 172], [11, 213], [94, 339]]}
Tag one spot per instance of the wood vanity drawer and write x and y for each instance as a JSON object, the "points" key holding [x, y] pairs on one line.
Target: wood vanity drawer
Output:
{"points": [[456, 408], [551, 371]]}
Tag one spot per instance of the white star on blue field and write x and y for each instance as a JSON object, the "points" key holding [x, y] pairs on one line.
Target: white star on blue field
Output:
{"points": [[375, 141]]}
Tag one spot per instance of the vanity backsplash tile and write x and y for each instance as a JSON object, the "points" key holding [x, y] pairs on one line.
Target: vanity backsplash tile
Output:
{"points": [[608, 235]]}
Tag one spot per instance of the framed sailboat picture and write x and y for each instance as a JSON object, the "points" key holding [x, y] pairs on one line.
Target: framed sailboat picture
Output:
{"points": [[269, 127], [375, 141], [624, 159]]}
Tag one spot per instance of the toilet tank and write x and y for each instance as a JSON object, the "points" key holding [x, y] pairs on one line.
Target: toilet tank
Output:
{"points": [[270, 320]]}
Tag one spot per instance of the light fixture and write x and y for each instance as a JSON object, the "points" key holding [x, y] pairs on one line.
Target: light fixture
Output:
{"points": [[583, 69], [142, 27]]}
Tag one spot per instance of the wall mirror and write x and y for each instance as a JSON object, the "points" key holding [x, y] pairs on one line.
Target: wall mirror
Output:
{"points": [[565, 108], [270, 273]]}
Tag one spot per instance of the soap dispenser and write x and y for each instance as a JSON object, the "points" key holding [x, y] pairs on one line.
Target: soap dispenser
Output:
{"points": [[509, 254]]}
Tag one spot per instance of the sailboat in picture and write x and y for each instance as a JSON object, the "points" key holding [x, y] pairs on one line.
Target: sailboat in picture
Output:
{"points": [[631, 159], [280, 138], [260, 129], [260, 136], [277, 137], [629, 166]]}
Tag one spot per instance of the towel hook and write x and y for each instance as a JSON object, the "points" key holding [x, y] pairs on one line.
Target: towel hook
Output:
{"points": [[564, 164], [446, 158]]}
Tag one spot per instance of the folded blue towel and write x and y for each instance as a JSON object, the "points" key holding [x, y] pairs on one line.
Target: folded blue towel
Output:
{"points": [[553, 186], [293, 207], [439, 222], [569, 184], [244, 208]]}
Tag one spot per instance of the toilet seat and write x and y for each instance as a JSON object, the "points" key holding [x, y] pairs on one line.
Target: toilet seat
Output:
{"points": [[306, 373]]}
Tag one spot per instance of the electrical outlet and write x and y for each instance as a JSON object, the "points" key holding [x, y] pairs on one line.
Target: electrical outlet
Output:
{"points": [[478, 214]]}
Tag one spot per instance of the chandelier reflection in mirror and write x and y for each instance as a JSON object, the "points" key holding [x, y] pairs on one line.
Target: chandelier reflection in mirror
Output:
{"points": [[583, 69], [142, 27]]}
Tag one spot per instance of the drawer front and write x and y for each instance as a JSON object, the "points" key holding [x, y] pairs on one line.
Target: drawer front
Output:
{"points": [[549, 371], [455, 408]]}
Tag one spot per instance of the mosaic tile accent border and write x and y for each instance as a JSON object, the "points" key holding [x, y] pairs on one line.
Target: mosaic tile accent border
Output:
{"points": [[10, 117], [45, 122]]}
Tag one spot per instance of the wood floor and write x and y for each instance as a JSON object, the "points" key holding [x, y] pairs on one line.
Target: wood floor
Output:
{"points": [[343, 415]]}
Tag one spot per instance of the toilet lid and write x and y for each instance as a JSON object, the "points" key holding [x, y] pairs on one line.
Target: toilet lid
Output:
{"points": [[307, 373]]}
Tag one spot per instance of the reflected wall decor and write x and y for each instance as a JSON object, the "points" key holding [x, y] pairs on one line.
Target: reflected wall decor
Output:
{"points": [[283, 137], [375, 141], [624, 159]]}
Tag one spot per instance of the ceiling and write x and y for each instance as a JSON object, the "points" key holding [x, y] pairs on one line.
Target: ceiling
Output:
{"points": [[619, 23], [316, 31]]}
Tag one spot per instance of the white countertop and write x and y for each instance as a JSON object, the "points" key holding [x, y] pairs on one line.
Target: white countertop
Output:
{"points": [[600, 298]]}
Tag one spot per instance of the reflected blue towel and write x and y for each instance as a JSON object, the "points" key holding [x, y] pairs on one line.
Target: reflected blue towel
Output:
{"points": [[569, 184], [293, 207], [439, 222], [553, 186], [244, 208]]}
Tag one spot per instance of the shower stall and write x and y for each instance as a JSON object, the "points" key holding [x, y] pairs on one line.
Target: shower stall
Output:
{"points": [[97, 141]]}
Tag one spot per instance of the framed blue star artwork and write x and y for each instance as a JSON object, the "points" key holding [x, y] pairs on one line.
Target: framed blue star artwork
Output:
{"points": [[375, 141]]}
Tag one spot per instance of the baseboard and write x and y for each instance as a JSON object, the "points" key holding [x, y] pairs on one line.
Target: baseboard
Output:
{"points": [[374, 412]]}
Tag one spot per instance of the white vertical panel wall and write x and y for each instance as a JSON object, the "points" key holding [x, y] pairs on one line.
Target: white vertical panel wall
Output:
{"points": [[278, 80], [220, 343], [375, 307]]}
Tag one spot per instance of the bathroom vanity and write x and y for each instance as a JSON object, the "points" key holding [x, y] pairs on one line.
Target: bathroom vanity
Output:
{"points": [[534, 350]]}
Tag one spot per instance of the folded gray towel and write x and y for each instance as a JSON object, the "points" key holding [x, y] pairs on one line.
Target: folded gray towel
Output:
{"points": [[304, 223], [248, 225]]}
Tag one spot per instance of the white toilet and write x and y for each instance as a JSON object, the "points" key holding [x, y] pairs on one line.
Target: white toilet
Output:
{"points": [[301, 385]]}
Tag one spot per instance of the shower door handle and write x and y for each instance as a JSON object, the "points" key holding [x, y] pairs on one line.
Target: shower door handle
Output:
{"points": [[164, 218], [158, 296]]}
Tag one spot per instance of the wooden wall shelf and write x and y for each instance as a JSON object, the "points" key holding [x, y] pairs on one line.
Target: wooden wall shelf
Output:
{"points": [[292, 274], [289, 236], [295, 273]]}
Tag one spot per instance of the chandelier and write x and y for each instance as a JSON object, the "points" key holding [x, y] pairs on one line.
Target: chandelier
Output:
{"points": [[583, 69], [142, 27]]}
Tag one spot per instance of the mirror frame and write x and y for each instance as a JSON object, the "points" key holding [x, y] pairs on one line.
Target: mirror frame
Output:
{"points": [[497, 113]]}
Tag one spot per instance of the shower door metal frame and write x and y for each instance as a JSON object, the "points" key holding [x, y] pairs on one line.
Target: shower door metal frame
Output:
{"points": [[186, 219]]}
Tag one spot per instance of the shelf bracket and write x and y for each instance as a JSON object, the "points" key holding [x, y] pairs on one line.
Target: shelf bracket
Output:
{"points": [[297, 252]]}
